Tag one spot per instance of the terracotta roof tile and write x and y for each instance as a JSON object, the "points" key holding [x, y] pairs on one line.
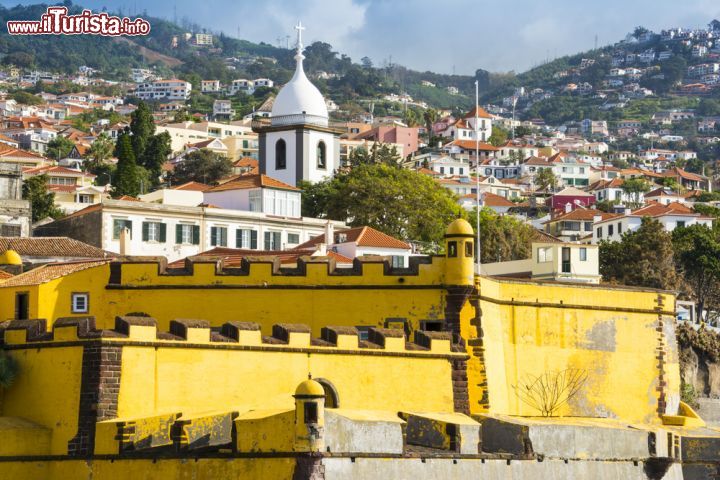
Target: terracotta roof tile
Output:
{"points": [[582, 214], [658, 210], [51, 247], [363, 236], [470, 145], [492, 200], [246, 162], [481, 113], [57, 170], [243, 182], [49, 272], [193, 186], [232, 257]]}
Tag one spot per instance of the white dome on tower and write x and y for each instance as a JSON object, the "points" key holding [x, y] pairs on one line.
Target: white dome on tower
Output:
{"points": [[299, 97]]}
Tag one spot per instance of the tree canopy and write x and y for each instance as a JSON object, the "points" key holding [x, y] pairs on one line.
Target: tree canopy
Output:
{"points": [[642, 258], [697, 253], [128, 175], [502, 237], [399, 202], [41, 200], [202, 166], [546, 180], [59, 147]]}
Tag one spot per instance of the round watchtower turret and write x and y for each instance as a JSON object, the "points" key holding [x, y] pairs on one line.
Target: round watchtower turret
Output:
{"points": [[459, 253], [10, 257], [309, 416]]}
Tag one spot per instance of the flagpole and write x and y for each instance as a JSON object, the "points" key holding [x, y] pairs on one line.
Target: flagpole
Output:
{"points": [[477, 174]]}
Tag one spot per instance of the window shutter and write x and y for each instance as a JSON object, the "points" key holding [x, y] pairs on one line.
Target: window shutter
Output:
{"points": [[238, 238], [267, 241], [163, 232], [277, 241], [145, 231], [196, 235], [178, 234], [223, 237], [253, 239], [213, 236]]}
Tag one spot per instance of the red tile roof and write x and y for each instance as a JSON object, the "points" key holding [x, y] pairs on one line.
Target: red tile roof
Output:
{"points": [[8, 151], [582, 214], [363, 237], [51, 247], [246, 162], [481, 113], [243, 182], [658, 210], [232, 257], [470, 145], [492, 200], [679, 172], [538, 161], [57, 170], [49, 272], [193, 186]]}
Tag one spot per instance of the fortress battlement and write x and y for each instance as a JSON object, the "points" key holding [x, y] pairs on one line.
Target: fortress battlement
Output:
{"points": [[130, 330]]}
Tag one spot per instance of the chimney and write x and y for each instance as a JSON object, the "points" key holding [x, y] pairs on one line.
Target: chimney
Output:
{"points": [[329, 234], [125, 241], [568, 207], [627, 211], [597, 218]]}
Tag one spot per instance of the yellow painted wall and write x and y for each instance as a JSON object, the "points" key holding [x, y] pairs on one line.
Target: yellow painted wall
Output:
{"points": [[171, 377], [165, 380], [202, 296], [47, 391], [616, 349], [52, 300]]}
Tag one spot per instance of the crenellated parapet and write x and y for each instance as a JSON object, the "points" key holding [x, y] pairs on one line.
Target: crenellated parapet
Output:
{"points": [[16, 334], [137, 272]]}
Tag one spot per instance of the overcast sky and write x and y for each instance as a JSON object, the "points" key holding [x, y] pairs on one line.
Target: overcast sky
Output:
{"points": [[437, 35]]}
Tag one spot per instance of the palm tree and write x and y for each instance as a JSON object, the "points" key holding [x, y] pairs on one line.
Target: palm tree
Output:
{"points": [[546, 180]]}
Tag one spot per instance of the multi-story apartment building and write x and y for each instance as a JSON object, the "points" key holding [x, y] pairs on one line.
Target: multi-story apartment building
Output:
{"points": [[172, 89], [179, 231], [670, 216]]}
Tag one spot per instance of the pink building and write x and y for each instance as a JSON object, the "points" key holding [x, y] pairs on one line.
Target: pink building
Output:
{"points": [[569, 198], [406, 136]]}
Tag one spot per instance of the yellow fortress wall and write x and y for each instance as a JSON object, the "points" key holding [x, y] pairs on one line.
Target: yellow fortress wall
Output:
{"points": [[622, 339], [135, 372], [511, 329]]}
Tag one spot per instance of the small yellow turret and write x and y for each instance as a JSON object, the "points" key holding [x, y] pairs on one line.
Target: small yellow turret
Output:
{"points": [[459, 253], [10, 257], [309, 417]]}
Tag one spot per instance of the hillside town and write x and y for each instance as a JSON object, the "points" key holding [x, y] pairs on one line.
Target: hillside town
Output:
{"points": [[221, 274]]}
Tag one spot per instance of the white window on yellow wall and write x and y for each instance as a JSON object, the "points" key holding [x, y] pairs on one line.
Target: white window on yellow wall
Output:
{"points": [[80, 303]]}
